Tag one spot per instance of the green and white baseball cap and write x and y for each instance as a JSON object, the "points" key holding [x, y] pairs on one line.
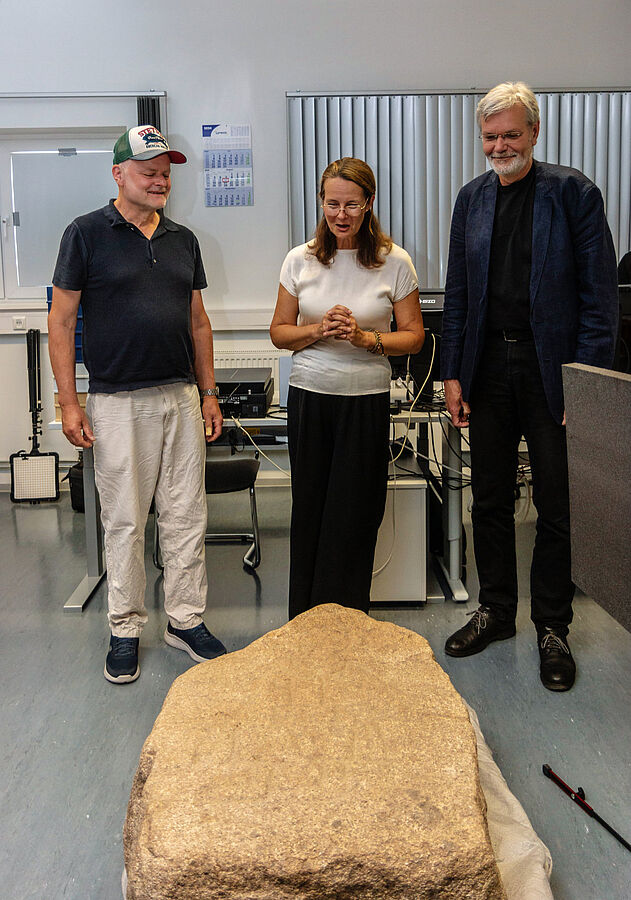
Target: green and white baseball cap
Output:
{"points": [[144, 142]]}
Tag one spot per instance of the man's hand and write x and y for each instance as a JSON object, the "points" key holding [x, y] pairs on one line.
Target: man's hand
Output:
{"points": [[456, 406], [76, 427], [212, 418]]}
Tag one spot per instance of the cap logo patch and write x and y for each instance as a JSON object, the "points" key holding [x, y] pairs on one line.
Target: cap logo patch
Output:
{"points": [[152, 138]]}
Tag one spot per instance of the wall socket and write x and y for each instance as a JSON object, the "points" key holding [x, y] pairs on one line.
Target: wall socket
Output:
{"points": [[19, 323]]}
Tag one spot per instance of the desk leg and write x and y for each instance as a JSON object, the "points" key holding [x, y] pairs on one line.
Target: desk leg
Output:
{"points": [[451, 563], [93, 539]]}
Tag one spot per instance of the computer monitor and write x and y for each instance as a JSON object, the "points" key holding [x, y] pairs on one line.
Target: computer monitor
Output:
{"points": [[427, 360]]}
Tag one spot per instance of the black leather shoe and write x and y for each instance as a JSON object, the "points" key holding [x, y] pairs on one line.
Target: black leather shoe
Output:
{"points": [[558, 669], [477, 634]]}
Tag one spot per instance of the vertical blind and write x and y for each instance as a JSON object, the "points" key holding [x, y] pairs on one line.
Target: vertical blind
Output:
{"points": [[423, 147]]}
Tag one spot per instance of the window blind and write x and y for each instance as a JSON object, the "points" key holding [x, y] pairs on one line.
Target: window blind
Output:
{"points": [[424, 146]]}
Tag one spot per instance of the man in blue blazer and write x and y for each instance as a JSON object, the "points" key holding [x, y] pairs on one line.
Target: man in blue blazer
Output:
{"points": [[531, 284]]}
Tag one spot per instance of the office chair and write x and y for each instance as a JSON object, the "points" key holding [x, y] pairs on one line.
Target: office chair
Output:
{"points": [[227, 476]]}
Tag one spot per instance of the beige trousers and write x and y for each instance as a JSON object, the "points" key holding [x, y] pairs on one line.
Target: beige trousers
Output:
{"points": [[148, 443]]}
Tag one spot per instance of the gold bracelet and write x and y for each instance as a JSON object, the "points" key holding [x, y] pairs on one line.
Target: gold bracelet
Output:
{"points": [[378, 348]]}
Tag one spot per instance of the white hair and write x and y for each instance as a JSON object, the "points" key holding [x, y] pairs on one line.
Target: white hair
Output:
{"points": [[506, 95]]}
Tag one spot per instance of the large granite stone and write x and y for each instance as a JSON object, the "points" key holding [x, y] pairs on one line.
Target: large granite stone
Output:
{"points": [[329, 760]]}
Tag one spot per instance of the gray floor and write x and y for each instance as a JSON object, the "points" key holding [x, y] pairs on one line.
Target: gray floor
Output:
{"points": [[70, 741]]}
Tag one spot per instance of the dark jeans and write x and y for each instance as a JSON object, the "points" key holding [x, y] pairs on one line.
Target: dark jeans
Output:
{"points": [[508, 401], [338, 448]]}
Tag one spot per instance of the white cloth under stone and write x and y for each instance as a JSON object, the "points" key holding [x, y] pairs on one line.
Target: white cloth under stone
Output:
{"points": [[523, 859]]}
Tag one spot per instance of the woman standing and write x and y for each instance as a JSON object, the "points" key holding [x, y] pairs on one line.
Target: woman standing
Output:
{"points": [[335, 302]]}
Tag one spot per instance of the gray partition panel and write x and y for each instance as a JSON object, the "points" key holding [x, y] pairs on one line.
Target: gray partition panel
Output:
{"points": [[598, 410]]}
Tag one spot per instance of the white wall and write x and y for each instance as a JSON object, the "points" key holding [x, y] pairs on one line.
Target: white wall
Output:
{"points": [[234, 62]]}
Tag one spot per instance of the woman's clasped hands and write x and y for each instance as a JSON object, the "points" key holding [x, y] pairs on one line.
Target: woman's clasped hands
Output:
{"points": [[340, 324]]}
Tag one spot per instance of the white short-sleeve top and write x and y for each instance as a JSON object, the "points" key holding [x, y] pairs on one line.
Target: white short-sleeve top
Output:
{"points": [[330, 366]]}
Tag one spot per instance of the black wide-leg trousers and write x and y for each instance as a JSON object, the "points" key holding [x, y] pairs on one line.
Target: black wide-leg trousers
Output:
{"points": [[338, 448], [508, 401]]}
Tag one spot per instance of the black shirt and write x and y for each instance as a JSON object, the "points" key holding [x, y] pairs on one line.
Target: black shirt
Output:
{"points": [[511, 254], [135, 298], [624, 269]]}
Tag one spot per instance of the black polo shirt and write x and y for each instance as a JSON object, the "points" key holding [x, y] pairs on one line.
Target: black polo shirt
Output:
{"points": [[135, 298]]}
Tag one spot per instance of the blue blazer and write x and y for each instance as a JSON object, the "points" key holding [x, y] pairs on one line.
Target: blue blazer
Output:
{"points": [[573, 281]]}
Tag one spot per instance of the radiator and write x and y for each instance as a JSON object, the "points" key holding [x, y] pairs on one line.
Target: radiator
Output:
{"points": [[268, 357]]}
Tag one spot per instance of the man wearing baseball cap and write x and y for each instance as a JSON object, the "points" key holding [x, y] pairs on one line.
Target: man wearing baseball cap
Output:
{"points": [[148, 349]]}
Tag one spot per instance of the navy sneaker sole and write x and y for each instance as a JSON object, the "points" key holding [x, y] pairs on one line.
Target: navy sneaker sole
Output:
{"points": [[173, 640], [121, 679]]}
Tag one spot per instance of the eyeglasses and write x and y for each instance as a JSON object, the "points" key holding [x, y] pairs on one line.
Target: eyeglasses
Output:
{"points": [[506, 136], [351, 209]]}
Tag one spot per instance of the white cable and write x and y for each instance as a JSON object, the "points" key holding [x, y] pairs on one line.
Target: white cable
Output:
{"points": [[253, 442], [394, 522], [408, 424], [422, 387]]}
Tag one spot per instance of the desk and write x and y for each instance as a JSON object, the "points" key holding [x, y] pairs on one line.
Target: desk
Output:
{"points": [[451, 562]]}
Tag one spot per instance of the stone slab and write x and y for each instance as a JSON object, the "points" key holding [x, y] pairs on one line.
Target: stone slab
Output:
{"points": [[329, 760]]}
